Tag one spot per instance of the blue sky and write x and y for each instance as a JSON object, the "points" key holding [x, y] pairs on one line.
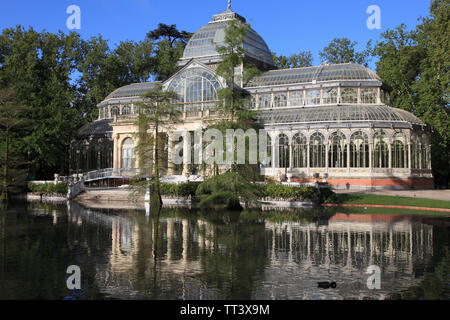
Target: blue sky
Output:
{"points": [[287, 26]]}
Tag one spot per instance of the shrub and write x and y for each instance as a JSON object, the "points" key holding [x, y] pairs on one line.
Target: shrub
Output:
{"points": [[179, 190], [48, 188], [275, 190]]}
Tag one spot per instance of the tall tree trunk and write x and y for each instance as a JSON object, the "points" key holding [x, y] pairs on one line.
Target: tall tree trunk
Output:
{"points": [[156, 186]]}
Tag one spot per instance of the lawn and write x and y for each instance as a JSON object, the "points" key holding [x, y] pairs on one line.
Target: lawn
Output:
{"points": [[391, 200]]}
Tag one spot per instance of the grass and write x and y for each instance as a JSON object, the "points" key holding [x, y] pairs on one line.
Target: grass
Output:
{"points": [[391, 200]]}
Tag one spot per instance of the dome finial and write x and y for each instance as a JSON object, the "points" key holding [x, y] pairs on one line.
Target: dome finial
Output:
{"points": [[229, 5]]}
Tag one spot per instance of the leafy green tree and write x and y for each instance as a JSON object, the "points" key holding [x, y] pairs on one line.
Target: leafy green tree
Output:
{"points": [[342, 50], [158, 111], [415, 64], [40, 66], [300, 60], [170, 44], [233, 56], [13, 119]]}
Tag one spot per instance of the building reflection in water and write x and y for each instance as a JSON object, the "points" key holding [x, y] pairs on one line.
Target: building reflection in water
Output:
{"points": [[289, 261]]}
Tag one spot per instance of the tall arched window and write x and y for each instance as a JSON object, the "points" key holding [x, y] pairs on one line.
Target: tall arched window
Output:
{"points": [[317, 150], [415, 152], [337, 152], [424, 152], [296, 98], [381, 151], [299, 151], [283, 151], [399, 151], [330, 95], [128, 154], [280, 100], [349, 95], [359, 150], [264, 101], [266, 162]]}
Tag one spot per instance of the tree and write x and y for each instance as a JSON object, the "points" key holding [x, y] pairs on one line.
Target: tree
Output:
{"points": [[342, 50], [170, 44], [233, 56], [415, 64], [13, 117], [158, 111], [300, 60], [229, 187]]}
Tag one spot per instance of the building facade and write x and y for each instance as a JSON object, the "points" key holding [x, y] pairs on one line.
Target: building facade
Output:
{"points": [[330, 122]]}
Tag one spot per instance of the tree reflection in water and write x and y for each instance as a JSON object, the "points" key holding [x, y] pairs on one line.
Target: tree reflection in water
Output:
{"points": [[188, 254]]}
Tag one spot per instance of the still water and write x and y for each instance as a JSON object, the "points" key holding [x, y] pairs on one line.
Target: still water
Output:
{"points": [[128, 254]]}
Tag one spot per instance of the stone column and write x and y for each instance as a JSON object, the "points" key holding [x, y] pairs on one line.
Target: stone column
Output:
{"points": [[371, 155], [170, 164], [115, 152], [186, 153]]}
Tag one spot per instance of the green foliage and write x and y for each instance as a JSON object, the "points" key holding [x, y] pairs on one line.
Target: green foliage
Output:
{"points": [[231, 99], [275, 190], [415, 64], [342, 50], [300, 60], [179, 189], [230, 188], [48, 188]]}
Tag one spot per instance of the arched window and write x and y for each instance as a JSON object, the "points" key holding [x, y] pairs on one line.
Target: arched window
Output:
{"points": [[296, 98], [299, 151], [280, 100], [359, 150], [317, 150], [313, 97], [197, 87], [415, 152], [424, 152], [381, 151], [330, 95], [128, 154], [283, 151], [349, 95], [369, 95], [126, 109], [264, 101], [337, 152], [266, 162], [114, 111], [399, 152]]}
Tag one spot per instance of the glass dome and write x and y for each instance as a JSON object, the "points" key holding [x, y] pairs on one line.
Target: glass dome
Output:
{"points": [[202, 44]]}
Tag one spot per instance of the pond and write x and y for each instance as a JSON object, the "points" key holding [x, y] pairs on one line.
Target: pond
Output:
{"points": [[254, 254]]}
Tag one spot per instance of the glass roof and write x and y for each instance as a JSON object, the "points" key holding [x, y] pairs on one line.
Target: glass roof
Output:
{"points": [[131, 90], [203, 43], [96, 128], [345, 71], [350, 113]]}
